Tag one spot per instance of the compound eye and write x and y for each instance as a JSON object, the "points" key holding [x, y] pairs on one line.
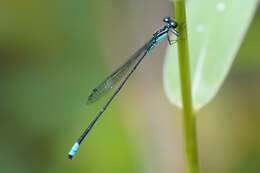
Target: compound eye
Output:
{"points": [[166, 19], [173, 24]]}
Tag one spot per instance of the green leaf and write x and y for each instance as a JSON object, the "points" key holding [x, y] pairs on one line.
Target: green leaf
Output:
{"points": [[216, 30]]}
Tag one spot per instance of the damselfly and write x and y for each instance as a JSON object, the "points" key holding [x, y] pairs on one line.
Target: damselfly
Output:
{"points": [[126, 71]]}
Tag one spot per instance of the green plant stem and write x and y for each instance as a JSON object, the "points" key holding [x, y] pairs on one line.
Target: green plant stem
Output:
{"points": [[189, 119]]}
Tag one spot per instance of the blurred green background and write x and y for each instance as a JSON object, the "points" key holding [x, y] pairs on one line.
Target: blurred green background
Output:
{"points": [[54, 52]]}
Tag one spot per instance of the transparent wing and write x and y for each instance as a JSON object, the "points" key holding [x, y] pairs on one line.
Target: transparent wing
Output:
{"points": [[116, 76]]}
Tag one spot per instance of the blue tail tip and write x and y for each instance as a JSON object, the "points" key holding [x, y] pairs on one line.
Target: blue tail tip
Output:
{"points": [[73, 150]]}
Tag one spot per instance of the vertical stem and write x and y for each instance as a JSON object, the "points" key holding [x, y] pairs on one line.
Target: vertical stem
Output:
{"points": [[189, 122]]}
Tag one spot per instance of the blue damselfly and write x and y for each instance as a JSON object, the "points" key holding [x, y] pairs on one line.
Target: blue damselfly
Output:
{"points": [[125, 71]]}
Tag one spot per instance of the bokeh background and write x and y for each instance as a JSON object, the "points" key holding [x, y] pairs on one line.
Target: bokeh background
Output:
{"points": [[54, 52]]}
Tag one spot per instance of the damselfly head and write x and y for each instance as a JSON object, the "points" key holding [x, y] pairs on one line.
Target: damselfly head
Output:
{"points": [[171, 22]]}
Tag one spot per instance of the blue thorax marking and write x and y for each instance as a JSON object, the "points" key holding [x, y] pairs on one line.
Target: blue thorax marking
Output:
{"points": [[161, 37], [157, 40]]}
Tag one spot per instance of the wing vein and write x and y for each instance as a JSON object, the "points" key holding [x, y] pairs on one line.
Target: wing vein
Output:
{"points": [[116, 76]]}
